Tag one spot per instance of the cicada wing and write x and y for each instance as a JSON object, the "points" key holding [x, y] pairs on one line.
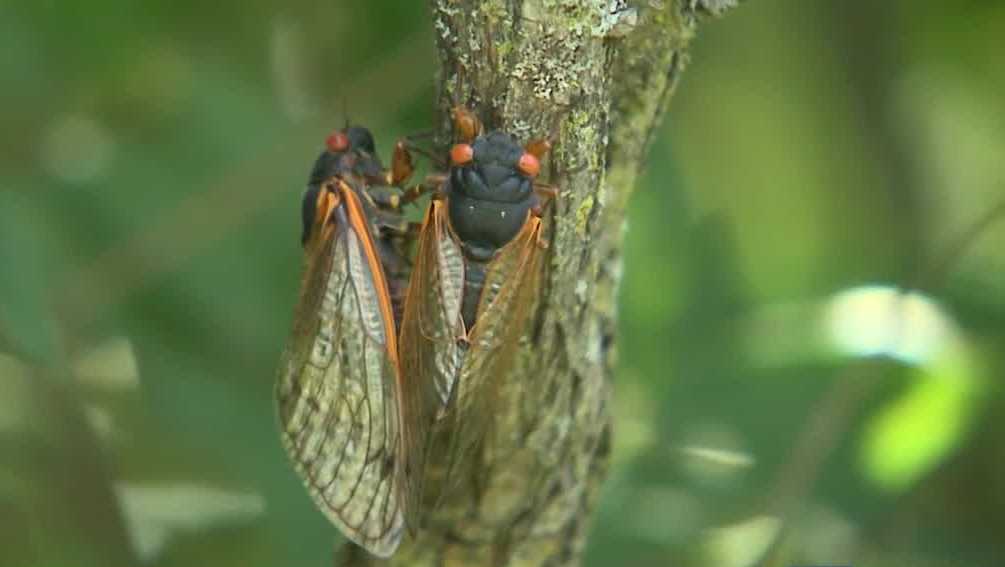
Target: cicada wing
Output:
{"points": [[508, 299], [516, 393], [336, 392], [431, 356]]}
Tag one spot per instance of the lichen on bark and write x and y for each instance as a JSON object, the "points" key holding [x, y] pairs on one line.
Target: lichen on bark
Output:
{"points": [[594, 77]]}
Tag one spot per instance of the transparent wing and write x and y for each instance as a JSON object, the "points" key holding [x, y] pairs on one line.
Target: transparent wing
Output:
{"points": [[450, 391], [431, 357], [337, 388], [503, 318]]}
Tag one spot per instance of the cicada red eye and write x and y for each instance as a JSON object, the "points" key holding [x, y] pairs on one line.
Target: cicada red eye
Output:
{"points": [[529, 165], [337, 142], [461, 154]]}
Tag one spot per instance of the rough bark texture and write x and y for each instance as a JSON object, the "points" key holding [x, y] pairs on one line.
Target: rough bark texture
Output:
{"points": [[594, 77]]}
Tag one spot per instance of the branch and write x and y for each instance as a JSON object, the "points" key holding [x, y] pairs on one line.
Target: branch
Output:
{"points": [[594, 77]]}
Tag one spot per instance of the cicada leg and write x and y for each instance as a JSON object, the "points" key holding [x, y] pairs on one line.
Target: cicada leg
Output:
{"points": [[402, 166], [538, 148], [413, 229], [402, 158], [387, 199], [431, 184], [545, 194], [466, 124]]}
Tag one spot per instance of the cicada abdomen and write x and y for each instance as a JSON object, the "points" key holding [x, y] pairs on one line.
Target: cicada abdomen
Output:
{"points": [[474, 286], [339, 379]]}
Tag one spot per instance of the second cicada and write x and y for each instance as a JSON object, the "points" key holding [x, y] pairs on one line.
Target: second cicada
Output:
{"points": [[339, 387], [471, 295]]}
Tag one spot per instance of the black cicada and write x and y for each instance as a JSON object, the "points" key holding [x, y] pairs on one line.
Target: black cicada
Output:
{"points": [[474, 285], [339, 385]]}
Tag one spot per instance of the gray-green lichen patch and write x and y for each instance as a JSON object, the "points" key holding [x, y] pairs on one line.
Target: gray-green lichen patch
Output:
{"points": [[618, 20], [714, 7], [552, 65], [583, 216], [557, 47]]}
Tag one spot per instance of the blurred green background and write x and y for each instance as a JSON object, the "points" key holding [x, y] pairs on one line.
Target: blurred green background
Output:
{"points": [[778, 398]]}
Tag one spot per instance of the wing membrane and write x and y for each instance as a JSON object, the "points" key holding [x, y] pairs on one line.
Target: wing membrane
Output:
{"points": [[508, 298], [430, 356], [454, 389], [337, 389]]}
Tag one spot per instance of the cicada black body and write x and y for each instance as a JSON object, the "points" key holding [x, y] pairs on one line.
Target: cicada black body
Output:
{"points": [[475, 283], [339, 387]]}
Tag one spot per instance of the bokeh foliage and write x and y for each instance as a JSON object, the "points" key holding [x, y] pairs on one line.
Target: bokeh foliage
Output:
{"points": [[778, 397]]}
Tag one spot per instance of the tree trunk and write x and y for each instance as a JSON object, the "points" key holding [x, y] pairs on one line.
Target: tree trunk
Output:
{"points": [[594, 78]]}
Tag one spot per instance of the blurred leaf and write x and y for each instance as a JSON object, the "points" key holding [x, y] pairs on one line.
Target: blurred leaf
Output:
{"points": [[155, 513], [65, 495], [25, 278], [742, 544], [918, 431], [110, 365]]}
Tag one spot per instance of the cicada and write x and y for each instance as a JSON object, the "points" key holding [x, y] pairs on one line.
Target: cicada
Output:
{"points": [[475, 283], [338, 390]]}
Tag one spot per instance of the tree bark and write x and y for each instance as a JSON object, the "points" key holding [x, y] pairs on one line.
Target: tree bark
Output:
{"points": [[594, 77]]}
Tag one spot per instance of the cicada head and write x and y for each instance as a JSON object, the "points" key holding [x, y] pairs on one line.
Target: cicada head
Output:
{"points": [[491, 190], [348, 151], [367, 162]]}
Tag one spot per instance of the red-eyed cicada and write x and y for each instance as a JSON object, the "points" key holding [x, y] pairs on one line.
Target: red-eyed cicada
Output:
{"points": [[474, 286], [339, 385]]}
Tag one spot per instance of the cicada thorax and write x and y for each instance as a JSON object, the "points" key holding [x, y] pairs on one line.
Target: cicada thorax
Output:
{"points": [[489, 202], [338, 392]]}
